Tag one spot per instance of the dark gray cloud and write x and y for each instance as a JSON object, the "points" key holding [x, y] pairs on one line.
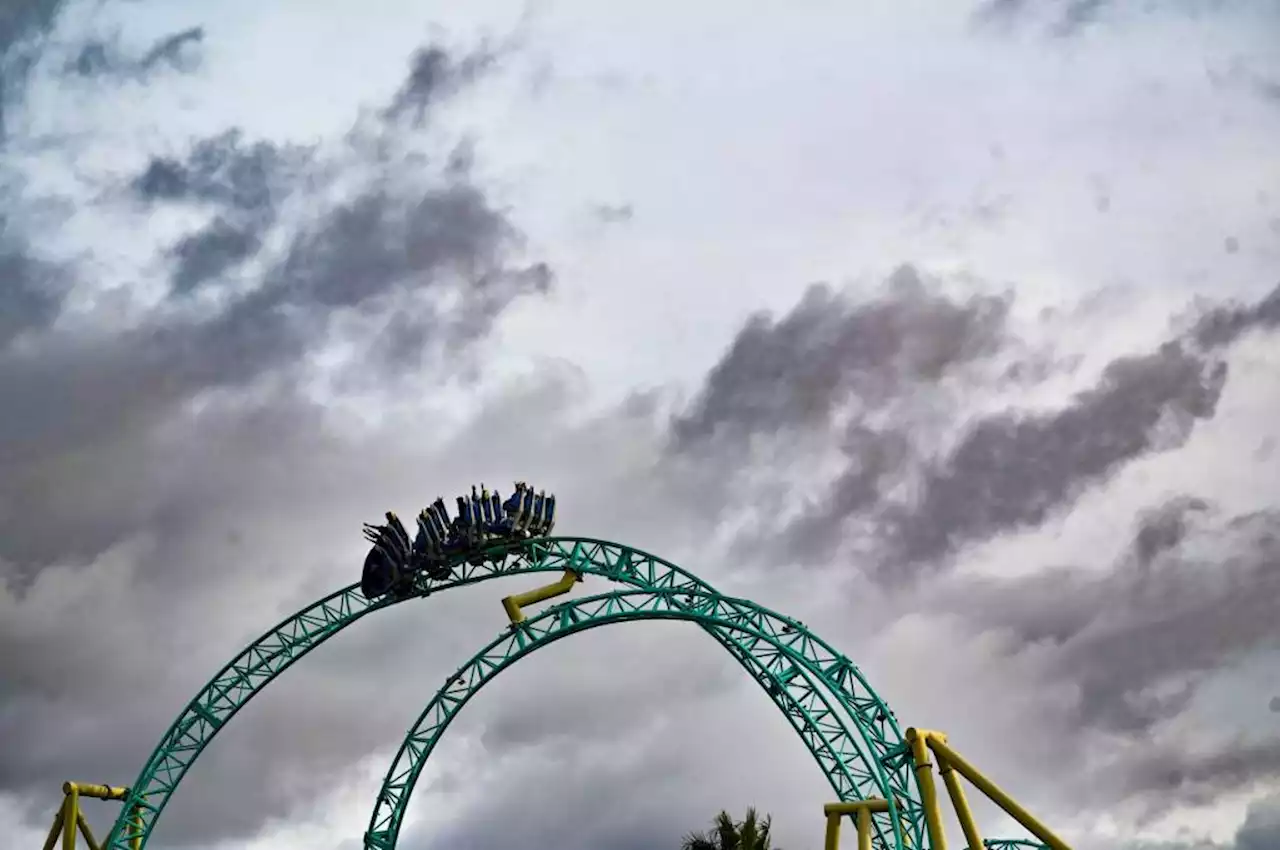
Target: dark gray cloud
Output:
{"points": [[829, 350], [1261, 827], [173, 49], [211, 252], [1063, 18], [1173, 777], [179, 51], [223, 171], [33, 291], [1136, 642], [1224, 324], [112, 476], [142, 522], [21, 24], [364, 256], [23, 19], [1014, 470], [1259, 831], [1165, 528], [1007, 470], [243, 183], [435, 74], [613, 213], [1073, 18]]}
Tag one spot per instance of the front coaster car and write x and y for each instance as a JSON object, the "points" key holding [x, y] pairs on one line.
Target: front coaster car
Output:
{"points": [[482, 520]]}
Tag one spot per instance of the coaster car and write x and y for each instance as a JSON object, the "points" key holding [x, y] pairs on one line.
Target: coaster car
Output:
{"points": [[384, 566], [483, 519]]}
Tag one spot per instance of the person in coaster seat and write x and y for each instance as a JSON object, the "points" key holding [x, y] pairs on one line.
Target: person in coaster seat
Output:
{"points": [[495, 512], [511, 510], [395, 539], [462, 522], [535, 517], [486, 507], [427, 543], [438, 517], [526, 512], [548, 515]]}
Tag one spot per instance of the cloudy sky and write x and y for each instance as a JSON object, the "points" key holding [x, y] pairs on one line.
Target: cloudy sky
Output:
{"points": [[951, 328]]}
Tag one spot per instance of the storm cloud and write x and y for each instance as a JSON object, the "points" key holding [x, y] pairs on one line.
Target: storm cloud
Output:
{"points": [[179, 51], [831, 350], [1013, 470], [861, 371], [1134, 645], [363, 257], [131, 438], [237, 321]]}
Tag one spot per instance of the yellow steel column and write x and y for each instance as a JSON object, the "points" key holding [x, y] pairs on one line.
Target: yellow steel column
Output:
{"points": [[963, 813], [832, 841], [864, 828], [88, 833], [928, 791], [71, 815], [860, 808], [513, 604], [99, 792], [57, 826], [136, 841], [999, 797]]}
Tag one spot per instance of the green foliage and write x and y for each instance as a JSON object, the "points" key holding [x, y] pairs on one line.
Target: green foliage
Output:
{"points": [[750, 833]]}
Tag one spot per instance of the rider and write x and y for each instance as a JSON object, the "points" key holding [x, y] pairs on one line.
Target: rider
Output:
{"points": [[549, 515], [428, 540], [486, 508], [440, 519], [494, 513], [525, 512], [535, 520], [511, 509], [396, 537], [462, 522]]}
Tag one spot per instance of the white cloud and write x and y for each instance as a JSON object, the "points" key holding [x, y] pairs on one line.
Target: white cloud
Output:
{"points": [[1101, 176]]}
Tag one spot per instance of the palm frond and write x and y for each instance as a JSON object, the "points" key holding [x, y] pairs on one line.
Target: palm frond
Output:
{"points": [[698, 841]]}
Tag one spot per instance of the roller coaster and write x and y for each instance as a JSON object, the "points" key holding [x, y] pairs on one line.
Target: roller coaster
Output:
{"points": [[881, 776]]}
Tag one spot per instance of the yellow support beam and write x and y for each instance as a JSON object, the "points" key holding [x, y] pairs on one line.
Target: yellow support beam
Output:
{"points": [[923, 742], [513, 604], [70, 821], [862, 809], [950, 757], [56, 830], [86, 832], [98, 792], [918, 739], [964, 814], [72, 817]]}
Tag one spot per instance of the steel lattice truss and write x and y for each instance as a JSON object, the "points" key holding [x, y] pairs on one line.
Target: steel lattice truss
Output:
{"points": [[782, 648], [859, 747], [1013, 844]]}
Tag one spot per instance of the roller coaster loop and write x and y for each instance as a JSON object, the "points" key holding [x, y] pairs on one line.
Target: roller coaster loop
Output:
{"points": [[780, 646], [863, 754], [846, 727]]}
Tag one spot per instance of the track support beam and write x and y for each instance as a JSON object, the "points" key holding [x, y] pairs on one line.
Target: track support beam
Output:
{"points": [[69, 822], [924, 742], [861, 810], [513, 604]]}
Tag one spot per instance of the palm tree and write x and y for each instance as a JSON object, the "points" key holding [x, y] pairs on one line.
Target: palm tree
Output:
{"points": [[751, 833]]}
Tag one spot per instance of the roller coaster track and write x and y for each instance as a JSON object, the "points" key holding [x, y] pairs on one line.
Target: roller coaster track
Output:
{"points": [[850, 732]]}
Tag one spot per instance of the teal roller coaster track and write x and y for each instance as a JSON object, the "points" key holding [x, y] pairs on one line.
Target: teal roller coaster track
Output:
{"points": [[851, 733]]}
